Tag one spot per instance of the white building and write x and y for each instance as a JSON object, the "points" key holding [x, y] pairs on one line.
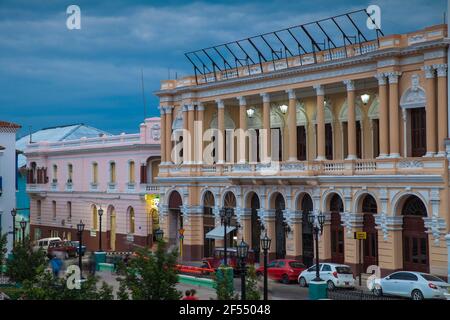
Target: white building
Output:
{"points": [[7, 177]]}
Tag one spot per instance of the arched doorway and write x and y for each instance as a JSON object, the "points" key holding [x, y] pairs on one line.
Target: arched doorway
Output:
{"points": [[337, 230], [307, 232], [280, 228], [208, 223], [175, 218], [370, 252], [112, 228], [415, 239], [229, 201], [256, 226]]}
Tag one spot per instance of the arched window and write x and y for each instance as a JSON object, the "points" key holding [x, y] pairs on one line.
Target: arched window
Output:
{"points": [[131, 172], [55, 174], [94, 218], [54, 209], [112, 172], [95, 173], [69, 173], [69, 210], [131, 220]]}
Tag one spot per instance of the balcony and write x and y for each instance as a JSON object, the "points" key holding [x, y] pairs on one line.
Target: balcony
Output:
{"points": [[377, 167], [149, 188]]}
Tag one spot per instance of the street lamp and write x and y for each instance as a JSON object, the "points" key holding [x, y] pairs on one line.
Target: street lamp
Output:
{"points": [[100, 214], [80, 229], [225, 220], [317, 222], [242, 253], [265, 245], [159, 235], [23, 225], [283, 108], [14, 213]]}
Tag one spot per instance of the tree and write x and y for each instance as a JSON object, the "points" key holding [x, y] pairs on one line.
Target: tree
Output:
{"points": [[224, 284], [25, 262], [150, 276], [251, 284], [3, 250], [46, 287]]}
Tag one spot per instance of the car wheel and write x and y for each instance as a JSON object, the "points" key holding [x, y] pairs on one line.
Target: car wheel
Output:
{"points": [[377, 291], [302, 282], [285, 279], [330, 285], [417, 295]]}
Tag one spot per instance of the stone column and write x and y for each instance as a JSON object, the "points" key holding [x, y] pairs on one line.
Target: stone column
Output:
{"points": [[193, 233], [221, 130], [353, 222], [198, 136], [351, 120], [266, 126], [292, 125], [320, 122], [383, 116], [442, 112], [268, 218], [163, 135], [241, 150], [394, 134], [191, 120], [324, 240], [245, 220], [447, 240], [168, 134], [294, 245], [186, 138], [430, 110]]}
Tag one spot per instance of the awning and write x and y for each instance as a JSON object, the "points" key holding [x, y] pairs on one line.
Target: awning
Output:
{"points": [[217, 233]]}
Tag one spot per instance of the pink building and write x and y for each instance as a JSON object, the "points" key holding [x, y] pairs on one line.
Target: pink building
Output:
{"points": [[69, 181]]}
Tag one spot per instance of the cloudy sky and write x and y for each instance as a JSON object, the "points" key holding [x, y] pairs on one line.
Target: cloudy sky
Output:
{"points": [[50, 75]]}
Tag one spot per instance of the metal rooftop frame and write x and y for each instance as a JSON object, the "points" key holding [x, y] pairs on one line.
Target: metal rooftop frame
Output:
{"points": [[320, 35]]}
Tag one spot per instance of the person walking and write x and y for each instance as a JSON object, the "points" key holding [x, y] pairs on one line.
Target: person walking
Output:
{"points": [[56, 264], [92, 264]]}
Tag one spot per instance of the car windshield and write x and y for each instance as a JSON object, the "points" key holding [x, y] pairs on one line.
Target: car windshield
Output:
{"points": [[296, 265], [344, 270], [429, 277]]}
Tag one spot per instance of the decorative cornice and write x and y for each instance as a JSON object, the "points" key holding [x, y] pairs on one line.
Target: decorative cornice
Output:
{"points": [[350, 84]]}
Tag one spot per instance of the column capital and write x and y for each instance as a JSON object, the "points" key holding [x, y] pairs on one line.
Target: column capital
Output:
{"points": [[168, 109], [291, 94], [184, 108], [350, 84], [381, 77], [162, 109], [265, 96], [220, 104], [190, 107], [393, 76], [320, 91], [242, 101], [441, 69], [200, 106], [429, 71]]}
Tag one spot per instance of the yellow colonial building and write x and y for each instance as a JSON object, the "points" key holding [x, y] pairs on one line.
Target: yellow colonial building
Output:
{"points": [[356, 131]]}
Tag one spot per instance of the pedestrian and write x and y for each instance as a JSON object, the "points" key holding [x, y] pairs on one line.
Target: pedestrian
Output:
{"points": [[193, 292], [126, 259], [56, 264], [187, 295], [92, 264]]}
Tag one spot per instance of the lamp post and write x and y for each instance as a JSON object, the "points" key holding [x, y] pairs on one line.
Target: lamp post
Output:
{"points": [[23, 225], [100, 214], [265, 245], [13, 214], [242, 252], [317, 222], [80, 229], [225, 219]]}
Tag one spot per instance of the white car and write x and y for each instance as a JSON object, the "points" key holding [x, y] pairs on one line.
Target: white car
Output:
{"points": [[414, 285], [335, 275]]}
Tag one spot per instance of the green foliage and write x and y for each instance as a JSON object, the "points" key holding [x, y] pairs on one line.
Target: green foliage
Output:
{"points": [[122, 293], [46, 287], [251, 284], [150, 276], [26, 262], [3, 242], [224, 284]]}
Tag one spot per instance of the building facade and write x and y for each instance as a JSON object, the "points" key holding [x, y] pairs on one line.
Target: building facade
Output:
{"points": [[355, 132], [8, 182], [71, 180]]}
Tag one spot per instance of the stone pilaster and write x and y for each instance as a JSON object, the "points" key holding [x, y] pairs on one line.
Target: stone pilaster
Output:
{"points": [[430, 110], [351, 120], [320, 122], [442, 112], [292, 125], [384, 115], [394, 131]]}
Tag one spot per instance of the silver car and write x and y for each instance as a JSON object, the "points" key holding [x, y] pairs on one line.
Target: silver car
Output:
{"points": [[414, 285]]}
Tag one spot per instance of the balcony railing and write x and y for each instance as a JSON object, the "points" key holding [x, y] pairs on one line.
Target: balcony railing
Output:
{"points": [[400, 166]]}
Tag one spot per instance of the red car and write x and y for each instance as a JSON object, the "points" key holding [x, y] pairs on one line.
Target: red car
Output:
{"points": [[63, 249], [284, 270]]}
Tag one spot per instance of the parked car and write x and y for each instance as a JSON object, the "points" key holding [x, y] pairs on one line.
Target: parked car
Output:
{"points": [[76, 244], [335, 275], [414, 285], [64, 249], [44, 243], [232, 260], [284, 270]]}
